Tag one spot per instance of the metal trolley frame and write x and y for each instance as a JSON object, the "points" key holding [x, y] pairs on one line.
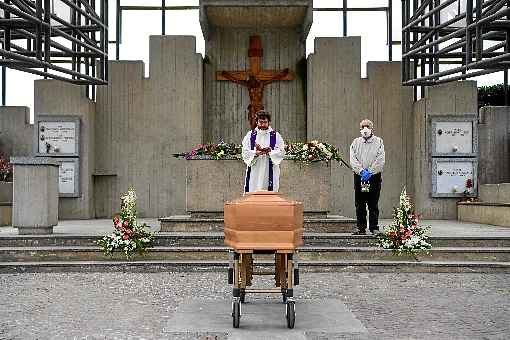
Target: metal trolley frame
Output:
{"points": [[286, 275]]}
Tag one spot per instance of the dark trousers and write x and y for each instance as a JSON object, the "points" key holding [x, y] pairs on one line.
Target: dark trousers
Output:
{"points": [[371, 198]]}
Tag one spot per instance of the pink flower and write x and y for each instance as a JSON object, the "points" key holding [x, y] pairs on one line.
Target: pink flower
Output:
{"points": [[125, 237]]}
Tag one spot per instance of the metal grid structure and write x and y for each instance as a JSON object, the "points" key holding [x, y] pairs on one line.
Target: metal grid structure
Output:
{"points": [[471, 37], [71, 47], [83, 52]]}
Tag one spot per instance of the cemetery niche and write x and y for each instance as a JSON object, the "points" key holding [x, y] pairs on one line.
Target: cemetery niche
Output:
{"points": [[454, 136], [454, 177]]}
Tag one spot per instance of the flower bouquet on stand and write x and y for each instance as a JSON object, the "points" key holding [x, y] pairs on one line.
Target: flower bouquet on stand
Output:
{"points": [[128, 236], [404, 235]]}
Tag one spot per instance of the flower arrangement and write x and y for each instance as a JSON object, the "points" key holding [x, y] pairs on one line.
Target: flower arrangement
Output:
{"points": [[308, 152], [220, 150], [128, 236], [5, 169], [313, 151], [404, 235]]}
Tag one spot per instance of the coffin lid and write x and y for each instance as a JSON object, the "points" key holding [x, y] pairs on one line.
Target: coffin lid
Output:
{"points": [[263, 198]]}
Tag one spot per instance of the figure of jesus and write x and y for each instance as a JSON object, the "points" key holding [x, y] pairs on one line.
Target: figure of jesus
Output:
{"points": [[255, 90]]}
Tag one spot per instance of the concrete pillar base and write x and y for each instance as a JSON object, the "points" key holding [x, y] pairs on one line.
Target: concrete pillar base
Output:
{"points": [[35, 230]]}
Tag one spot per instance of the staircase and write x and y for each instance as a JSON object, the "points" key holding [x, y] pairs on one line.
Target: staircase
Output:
{"points": [[205, 251], [493, 208]]}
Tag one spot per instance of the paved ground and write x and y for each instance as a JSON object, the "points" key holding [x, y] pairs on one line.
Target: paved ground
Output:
{"points": [[438, 228], [151, 306]]}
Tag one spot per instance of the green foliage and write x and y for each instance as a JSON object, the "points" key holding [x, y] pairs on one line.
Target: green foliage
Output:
{"points": [[493, 95]]}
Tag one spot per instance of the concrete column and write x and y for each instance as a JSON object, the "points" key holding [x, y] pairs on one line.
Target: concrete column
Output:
{"points": [[35, 195]]}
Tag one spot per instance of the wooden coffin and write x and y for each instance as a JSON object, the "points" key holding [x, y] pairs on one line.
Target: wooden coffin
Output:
{"points": [[263, 220]]}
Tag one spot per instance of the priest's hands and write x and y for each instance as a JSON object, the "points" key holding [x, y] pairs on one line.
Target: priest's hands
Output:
{"points": [[262, 151]]}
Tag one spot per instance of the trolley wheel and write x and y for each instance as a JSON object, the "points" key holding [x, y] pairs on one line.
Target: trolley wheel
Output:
{"points": [[291, 314], [236, 313], [242, 295]]}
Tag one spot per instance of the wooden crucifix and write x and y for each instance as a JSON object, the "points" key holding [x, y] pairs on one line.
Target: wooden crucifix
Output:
{"points": [[255, 79]]}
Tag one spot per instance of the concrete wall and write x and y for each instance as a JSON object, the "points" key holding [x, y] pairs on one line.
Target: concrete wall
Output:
{"points": [[226, 103], [141, 121], [16, 132], [338, 99], [53, 97], [494, 145], [448, 99]]}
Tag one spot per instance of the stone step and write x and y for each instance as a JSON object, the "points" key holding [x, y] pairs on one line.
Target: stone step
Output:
{"points": [[330, 224], [221, 265], [483, 212], [180, 239], [494, 193], [310, 253]]}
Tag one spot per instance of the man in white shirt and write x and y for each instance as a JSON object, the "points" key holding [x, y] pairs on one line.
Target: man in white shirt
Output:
{"points": [[367, 159], [263, 151]]}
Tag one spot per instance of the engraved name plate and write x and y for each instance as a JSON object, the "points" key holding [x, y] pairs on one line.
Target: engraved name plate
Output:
{"points": [[454, 136], [66, 178], [454, 177], [57, 136]]}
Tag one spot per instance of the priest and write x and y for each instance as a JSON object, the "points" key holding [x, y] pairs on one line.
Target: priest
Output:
{"points": [[263, 151]]}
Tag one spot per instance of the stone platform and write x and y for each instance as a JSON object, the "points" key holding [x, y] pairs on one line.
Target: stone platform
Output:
{"points": [[203, 223], [457, 247]]}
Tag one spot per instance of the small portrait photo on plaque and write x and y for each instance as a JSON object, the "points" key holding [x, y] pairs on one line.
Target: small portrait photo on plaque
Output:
{"points": [[57, 136], [454, 136], [454, 177]]}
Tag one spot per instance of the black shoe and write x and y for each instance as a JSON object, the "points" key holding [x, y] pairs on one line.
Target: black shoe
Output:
{"points": [[359, 232], [375, 232]]}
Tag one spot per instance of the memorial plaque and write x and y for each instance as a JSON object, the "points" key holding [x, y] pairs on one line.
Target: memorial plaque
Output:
{"points": [[454, 177], [454, 136], [57, 136], [68, 177]]}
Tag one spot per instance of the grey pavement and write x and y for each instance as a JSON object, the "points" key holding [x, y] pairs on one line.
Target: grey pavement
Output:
{"points": [[168, 306], [443, 228]]}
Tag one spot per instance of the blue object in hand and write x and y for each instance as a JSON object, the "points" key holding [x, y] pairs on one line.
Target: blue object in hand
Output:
{"points": [[369, 174], [364, 175]]}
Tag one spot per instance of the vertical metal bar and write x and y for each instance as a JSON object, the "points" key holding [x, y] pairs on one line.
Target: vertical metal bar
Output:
{"points": [[507, 50], [423, 61], [415, 38], [345, 17], [432, 23], [7, 47], [73, 33], [104, 66], [38, 30], [93, 59], [505, 75], [469, 42], [4, 83], [390, 29], [117, 33], [479, 41], [437, 21], [47, 34], [405, 70], [78, 46], [87, 59], [163, 17]]}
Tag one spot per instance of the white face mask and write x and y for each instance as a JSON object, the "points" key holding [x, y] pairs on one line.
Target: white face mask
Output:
{"points": [[365, 132]]}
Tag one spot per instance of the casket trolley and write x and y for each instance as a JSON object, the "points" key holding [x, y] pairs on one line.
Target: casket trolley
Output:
{"points": [[263, 222]]}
